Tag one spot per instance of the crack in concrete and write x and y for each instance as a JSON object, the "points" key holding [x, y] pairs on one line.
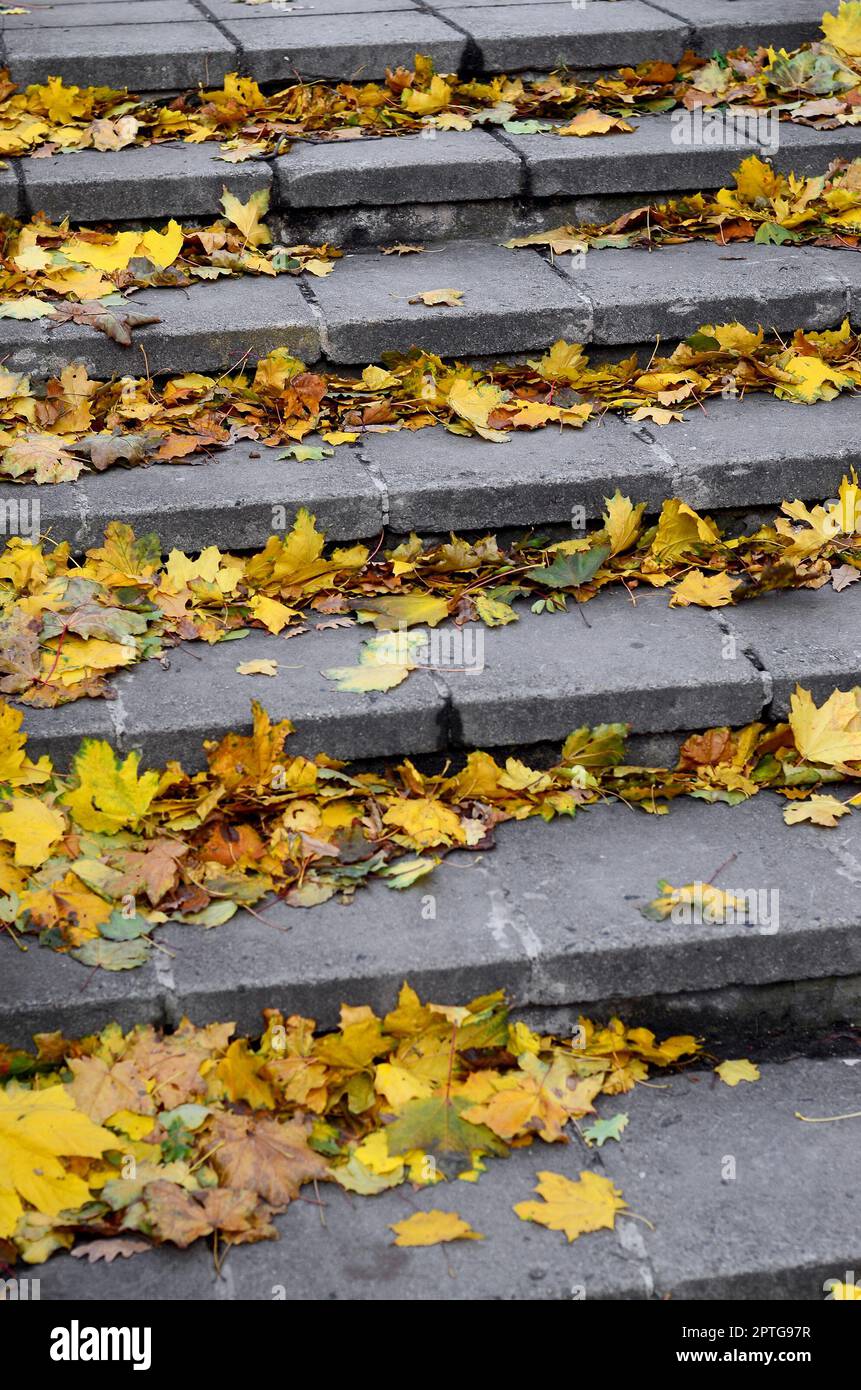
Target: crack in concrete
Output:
{"points": [[472, 59], [719, 616], [504, 915], [377, 477], [307, 293]]}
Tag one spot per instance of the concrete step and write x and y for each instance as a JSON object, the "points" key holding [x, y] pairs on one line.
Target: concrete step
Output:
{"points": [[481, 182], [729, 455], [552, 914], [755, 1236], [659, 669], [513, 301], [160, 46]]}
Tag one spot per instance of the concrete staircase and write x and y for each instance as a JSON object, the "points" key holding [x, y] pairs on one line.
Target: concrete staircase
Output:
{"points": [[553, 913]]}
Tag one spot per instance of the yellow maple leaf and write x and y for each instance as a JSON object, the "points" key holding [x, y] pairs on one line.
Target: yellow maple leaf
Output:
{"points": [[819, 810], [108, 256], [265, 667], [740, 1070], [110, 796], [436, 98], [162, 248], [831, 734], [594, 122], [33, 827], [433, 1228], [589, 1204], [246, 216], [843, 30], [622, 521], [37, 1130], [424, 822], [704, 590]]}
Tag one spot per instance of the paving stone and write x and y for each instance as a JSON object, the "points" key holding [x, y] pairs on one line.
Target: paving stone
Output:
{"points": [[41, 990], [813, 640], [718, 25], [227, 9], [757, 1237], [544, 36], [10, 195], [671, 292], [62, 729], [802, 150], [610, 660], [758, 451], [452, 166], [152, 181], [649, 159], [234, 499], [343, 46], [552, 914], [436, 481], [783, 1225], [167, 713], [208, 327], [100, 12], [730, 455], [508, 305], [144, 57]]}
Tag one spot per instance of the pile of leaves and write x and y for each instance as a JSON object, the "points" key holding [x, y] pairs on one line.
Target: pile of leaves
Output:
{"points": [[67, 625], [51, 272], [75, 423], [92, 861], [818, 84], [764, 206], [128, 1142]]}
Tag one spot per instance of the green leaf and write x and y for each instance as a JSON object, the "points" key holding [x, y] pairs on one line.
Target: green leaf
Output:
{"points": [[570, 571], [602, 1130], [435, 1125], [773, 234], [113, 955]]}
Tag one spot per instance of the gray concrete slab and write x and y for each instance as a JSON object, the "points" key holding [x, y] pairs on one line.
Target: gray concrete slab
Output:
{"points": [[649, 158], [88, 13], [145, 57], [63, 729], [233, 499], [803, 150], [758, 1236], [552, 914], [759, 451], [718, 25], [728, 455], [208, 327], [508, 305], [659, 669], [812, 639], [444, 166], [786, 1220], [609, 660], [10, 193], [150, 181], [672, 292], [229, 9], [437, 481], [41, 990], [543, 36], [342, 46], [168, 712]]}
